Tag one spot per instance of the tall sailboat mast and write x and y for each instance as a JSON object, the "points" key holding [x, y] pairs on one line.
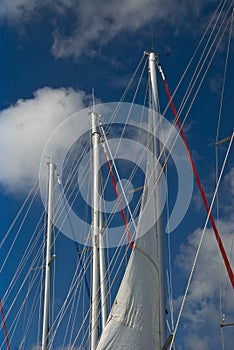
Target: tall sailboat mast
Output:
{"points": [[154, 105], [95, 230], [45, 327]]}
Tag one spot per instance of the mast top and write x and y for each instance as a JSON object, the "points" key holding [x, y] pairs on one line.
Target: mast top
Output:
{"points": [[152, 55]]}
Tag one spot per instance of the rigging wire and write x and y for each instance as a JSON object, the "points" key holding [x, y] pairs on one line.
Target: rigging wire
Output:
{"points": [[222, 308], [227, 263], [34, 187], [201, 62], [193, 56], [200, 243], [60, 203], [17, 233]]}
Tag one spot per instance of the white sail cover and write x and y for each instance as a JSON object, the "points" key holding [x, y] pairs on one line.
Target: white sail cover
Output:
{"points": [[134, 319]]}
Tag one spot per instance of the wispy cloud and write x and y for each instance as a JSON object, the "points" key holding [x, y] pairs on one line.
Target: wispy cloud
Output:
{"points": [[86, 26]]}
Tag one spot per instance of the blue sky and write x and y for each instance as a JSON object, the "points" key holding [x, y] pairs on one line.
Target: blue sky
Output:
{"points": [[53, 54]]}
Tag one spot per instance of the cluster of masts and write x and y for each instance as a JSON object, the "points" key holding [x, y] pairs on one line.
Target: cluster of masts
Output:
{"points": [[98, 267]]}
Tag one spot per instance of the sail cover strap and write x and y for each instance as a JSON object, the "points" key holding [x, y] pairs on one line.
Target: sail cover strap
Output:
{"points": [[217, 236]]}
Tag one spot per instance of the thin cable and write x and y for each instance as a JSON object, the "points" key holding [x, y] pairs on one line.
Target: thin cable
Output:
{"points": [[218, 238], [200, 243], [222, 309], [117, 173], [19, 212]]}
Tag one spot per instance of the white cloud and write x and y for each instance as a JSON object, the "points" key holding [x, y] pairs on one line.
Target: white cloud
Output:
{"points": [[26, 127], [85, 26]]}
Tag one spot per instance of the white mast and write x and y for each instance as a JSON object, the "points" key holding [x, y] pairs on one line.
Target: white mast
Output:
{"points": [[159, 225], [45, 327], [95, 231], [102, 266]]}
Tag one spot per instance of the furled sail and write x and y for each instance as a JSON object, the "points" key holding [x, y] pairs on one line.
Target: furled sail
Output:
{"points": [[134, 321]]}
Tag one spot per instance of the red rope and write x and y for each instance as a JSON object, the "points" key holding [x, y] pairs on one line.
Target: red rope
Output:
{"points": [[4, 326], [119, 201], [217, 236]]}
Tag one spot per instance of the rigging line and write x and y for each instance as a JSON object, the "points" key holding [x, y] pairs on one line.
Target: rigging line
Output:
{"points": [[200, 243], [64, 309], [4, 327], [74, 239], [224, 81], [17, 233], [61, 201], [126, 90], [76, 281], [199, 66], [118, 177], [66, 187], [81, 256], [193, 56], [21, 286], [118, 198], [72, 315], [19, 212], [132, 103], [72, 330], [20, 267], [217, 139], [26, 307], [31, 313], [22, 263], [20, 310], [131, 106], [203, 63], [211, 60], [110, 218], [207, 54], [135, 169], [218, 238]]}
